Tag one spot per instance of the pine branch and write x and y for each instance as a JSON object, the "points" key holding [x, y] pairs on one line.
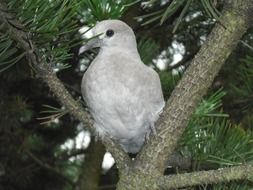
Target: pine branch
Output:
{"points": [[243, 172], [143, 182], [19, 34], [221, 175], [193, 86], [90, 169]]}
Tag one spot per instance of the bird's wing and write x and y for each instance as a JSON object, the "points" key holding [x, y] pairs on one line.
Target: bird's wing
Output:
{"points": [[154, 90], [148, 86], [143, 83]]}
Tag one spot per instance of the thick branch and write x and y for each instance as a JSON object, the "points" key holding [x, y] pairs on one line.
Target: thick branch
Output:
{"points": [[194, 85], [244, 172], [143, 182], [18, 34], [91, 167]]}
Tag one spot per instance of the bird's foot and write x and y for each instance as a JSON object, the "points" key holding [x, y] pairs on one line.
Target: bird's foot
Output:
{"points": [[153, 130], [152, 126]]}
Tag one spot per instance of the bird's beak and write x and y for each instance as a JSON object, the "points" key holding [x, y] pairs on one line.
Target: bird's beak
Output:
{"points": [[92, 43]]}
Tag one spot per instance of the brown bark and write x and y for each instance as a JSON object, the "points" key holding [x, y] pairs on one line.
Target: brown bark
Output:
{"points": [[90, 170], [206, 177], [243, 172]]}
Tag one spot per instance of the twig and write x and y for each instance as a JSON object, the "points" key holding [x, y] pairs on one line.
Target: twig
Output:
{"points": [[247, 45]]}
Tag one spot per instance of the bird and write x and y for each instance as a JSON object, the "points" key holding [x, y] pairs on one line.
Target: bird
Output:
{"points": [[124, 96]]}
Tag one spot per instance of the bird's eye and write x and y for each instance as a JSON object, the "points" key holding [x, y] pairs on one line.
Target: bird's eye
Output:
{"points": [[109, 33]]}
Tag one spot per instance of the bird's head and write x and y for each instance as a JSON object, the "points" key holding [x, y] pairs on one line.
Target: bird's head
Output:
{"points": [[111, 34]]}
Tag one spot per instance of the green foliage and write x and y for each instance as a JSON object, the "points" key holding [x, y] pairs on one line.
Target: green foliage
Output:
{"points": [[97, 10], [9, 55], [212, 141], [212, 138], [238, 102], [52, 25], [182, 6], [243, 85], [236, 145], [52, 114], [232, 186], [56, 36], [35, 143], [195, 136], [148, 50], [173, 7], [14, 110], [168, 82], [209, 106]]}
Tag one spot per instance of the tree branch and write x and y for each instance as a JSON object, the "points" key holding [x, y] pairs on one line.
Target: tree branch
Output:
{"points": [[19, 34], [244, 172], [143, 182], [90, 169], [194, 84]]}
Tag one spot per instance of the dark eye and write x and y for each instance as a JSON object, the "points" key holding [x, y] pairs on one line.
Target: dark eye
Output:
{"points": [[109, 33]]}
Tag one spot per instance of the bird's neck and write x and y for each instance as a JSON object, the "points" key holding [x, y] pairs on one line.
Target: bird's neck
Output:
{"points": [[115, 50]]}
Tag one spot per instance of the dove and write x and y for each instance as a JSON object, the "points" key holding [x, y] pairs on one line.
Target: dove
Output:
{"points": [[124, 95]]}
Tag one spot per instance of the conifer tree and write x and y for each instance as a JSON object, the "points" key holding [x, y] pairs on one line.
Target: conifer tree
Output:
{"points": [[42, 115]]}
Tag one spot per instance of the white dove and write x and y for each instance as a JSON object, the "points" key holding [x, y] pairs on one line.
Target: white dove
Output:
{"points": [[124, 95]]}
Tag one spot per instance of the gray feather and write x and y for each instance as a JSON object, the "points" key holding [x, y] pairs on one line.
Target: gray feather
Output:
{"points": [[123, 94]]}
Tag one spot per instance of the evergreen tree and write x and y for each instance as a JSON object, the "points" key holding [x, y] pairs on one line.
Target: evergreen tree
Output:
{"points": [[41, 124]]}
